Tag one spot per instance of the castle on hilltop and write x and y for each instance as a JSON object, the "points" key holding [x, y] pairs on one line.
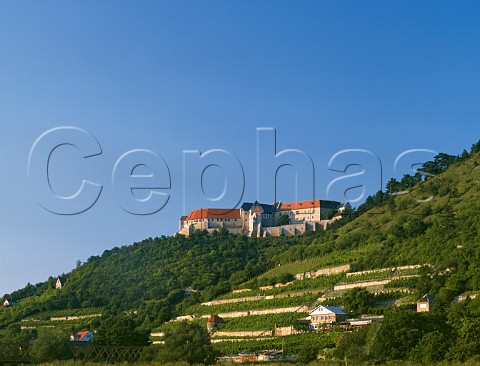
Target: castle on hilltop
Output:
{"points": [[262, 220]]}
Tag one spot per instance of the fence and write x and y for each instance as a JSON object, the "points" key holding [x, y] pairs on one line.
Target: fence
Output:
{"points": [[106, 353]]}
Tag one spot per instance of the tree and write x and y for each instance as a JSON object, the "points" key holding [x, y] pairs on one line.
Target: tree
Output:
{"points": [[187, 342], [468, 341], [121, 331], [358, 300], [51, 344], [307, 353], [393, 186], [475, 148], [401, 331], [432, 348], [352, 345], [330, 214], [283, 220]]}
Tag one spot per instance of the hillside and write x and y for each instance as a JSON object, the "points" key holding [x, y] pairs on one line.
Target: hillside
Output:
{"points": [[434, 226]]}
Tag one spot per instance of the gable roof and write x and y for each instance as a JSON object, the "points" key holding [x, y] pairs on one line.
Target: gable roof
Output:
{"points": [[214, 213], [427, 298], [82, 335], [326, 309]]}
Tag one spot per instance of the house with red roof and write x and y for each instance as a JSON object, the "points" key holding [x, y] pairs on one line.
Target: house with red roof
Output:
{"points": [[211, 219], [85, 336], [214, 323]]}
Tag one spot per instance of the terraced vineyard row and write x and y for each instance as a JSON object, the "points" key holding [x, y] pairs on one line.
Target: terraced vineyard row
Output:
{"points": [[260, 322], [74, 325], [380, 275], [321, 282], [291, 344], [252, 305], [66, 313], [338, 257]]}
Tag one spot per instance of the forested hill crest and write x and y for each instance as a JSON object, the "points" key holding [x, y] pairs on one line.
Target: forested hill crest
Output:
{"points": [[390, 229]]}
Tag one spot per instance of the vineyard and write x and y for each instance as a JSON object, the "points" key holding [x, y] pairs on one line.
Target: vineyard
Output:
{"points": [[171, 325], [71, 326], [253, 305], [331, 259], [261, 322], [67, 313], [321, 282], [290, 344], [383, 274]]}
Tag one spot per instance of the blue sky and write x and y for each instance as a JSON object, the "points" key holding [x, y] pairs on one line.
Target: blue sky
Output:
{"points": [[178, 75]]}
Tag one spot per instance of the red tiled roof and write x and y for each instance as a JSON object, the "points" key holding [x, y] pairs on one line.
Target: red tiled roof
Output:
{"points": [[258, 210], [82, 335], [287, 206], [214, 213], [183, 218]]}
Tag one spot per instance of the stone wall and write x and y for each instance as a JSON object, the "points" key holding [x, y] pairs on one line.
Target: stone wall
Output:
{"points": [[360, 284], [255, 298], [255, 333], [464, 297], [370, 283], [238, 314], [265, 288], [285, 331], [241, 290], [386, 269], [159, 334], [279, 332], [324, 271], [63, 318]]}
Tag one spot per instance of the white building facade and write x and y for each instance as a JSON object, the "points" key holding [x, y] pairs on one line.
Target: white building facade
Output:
{"points": [[326, 315]]}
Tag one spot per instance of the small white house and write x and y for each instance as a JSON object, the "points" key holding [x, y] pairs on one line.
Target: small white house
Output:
{"points": [[325, 314]]}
